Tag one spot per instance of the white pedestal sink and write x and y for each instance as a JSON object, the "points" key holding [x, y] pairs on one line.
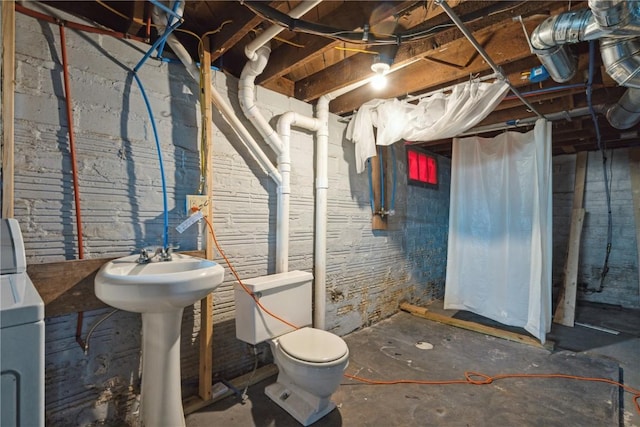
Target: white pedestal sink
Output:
{"points": [[159, 290]]}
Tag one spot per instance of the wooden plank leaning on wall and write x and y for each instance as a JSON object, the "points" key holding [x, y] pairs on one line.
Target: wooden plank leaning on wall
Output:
{"points": [[566, 308]]}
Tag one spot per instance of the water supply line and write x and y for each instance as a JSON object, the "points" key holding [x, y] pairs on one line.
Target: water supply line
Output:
{"points": [[176, 12], [616, 23]]}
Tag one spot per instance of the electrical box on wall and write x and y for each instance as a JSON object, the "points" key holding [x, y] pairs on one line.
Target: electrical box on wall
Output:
{"points": [[197, 203]]}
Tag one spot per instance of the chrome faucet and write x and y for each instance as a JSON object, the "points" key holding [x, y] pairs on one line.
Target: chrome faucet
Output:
{"points": [[164, 254], [144, 257]]}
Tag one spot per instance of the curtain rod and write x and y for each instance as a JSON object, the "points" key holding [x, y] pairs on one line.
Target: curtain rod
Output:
{"points": [[456, 20], [449, 88]]}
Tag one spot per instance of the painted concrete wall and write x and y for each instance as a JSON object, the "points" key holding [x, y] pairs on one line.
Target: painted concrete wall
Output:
{"points": [[368, 273], [620, 286]]}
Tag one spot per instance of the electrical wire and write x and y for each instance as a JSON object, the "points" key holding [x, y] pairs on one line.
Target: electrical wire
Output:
{"points": [[607, 188], [363, 37], [476, 378], [235, 274]]}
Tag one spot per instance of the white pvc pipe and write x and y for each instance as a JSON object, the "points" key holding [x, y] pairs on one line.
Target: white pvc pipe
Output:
{"points": [[322, 187], [246, 95], [285, 122], [246, 92], [274, 30], [227, 112]]}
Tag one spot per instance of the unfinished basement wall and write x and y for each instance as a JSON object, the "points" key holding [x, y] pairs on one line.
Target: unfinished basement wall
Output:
{"points": [[621, 282], [368, 273]]}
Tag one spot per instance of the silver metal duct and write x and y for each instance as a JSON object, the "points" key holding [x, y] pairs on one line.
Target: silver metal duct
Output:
{"points": [[621, 58], [617, 24], [549, 41], [625, 113]]}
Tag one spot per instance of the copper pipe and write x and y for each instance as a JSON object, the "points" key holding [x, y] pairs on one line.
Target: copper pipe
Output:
{"points": [[72, 143], [74, 167]]}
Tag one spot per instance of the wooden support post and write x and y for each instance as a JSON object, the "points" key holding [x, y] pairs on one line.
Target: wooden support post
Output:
{"points": [[378, 221], [8, 86], [634, 176], [476, 327], [566, 307], [206, 305]]}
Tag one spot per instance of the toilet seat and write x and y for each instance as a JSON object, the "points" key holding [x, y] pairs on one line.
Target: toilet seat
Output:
{"points": [[313, 345]]}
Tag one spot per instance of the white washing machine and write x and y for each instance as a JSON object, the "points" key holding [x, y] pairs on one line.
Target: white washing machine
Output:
{"points": [[21, 335]]}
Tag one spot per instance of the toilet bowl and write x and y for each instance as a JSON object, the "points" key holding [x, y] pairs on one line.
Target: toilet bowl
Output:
{"points": [[310, 362]]}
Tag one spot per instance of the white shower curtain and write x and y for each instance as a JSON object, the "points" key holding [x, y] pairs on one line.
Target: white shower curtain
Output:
{"points": [[499, 252]]}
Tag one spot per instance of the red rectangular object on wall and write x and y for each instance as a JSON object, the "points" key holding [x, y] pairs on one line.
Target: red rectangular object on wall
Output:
{"points": [[422, 168]]}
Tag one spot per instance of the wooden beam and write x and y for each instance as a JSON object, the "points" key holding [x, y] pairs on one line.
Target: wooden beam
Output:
{"points": [[439, 46], [206, 304], [137, 16], [412, 78], [634, 176], [8, 106], [476, 327], [288, 57]]}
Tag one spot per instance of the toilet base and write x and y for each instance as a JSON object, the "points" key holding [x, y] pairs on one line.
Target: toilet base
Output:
{"points": [[292, 399]]}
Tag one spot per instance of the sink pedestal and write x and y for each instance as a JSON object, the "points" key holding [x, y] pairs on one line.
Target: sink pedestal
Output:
{"points": [[160, 291], [161, 395]]}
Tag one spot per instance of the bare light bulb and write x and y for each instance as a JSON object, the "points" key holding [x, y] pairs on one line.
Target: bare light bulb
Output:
{"points": [[379, 81]]}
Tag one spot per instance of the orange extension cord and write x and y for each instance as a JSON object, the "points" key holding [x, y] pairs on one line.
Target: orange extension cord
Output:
{"points": [[235, 274], [476, 378], [470, 378]]}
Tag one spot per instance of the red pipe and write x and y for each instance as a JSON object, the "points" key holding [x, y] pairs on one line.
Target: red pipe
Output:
{"points": [[75, 25], [74, 169], [72, 142]]}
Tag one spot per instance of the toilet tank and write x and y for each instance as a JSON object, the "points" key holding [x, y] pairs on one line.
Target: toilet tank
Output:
{"points": [[287, 295]]}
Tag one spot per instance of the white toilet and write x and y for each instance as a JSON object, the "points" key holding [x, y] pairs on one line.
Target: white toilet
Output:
{"points": [[310, 361]]}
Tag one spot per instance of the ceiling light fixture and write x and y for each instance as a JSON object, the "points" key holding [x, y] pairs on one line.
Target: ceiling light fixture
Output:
{"points": [[381, 66]]}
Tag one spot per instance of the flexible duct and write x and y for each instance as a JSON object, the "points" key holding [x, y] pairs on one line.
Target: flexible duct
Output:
{"points": [[617, 24]]}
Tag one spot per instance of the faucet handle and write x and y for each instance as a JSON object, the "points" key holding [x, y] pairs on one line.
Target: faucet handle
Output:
{"points": [[164, 253], [144, 256]]}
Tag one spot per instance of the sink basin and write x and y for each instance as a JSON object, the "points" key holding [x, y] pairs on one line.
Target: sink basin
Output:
{"points": [[156, 286], [160, 290]]}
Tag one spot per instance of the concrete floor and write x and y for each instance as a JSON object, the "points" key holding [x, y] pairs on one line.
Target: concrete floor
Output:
{"points": [[390, 350]]}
